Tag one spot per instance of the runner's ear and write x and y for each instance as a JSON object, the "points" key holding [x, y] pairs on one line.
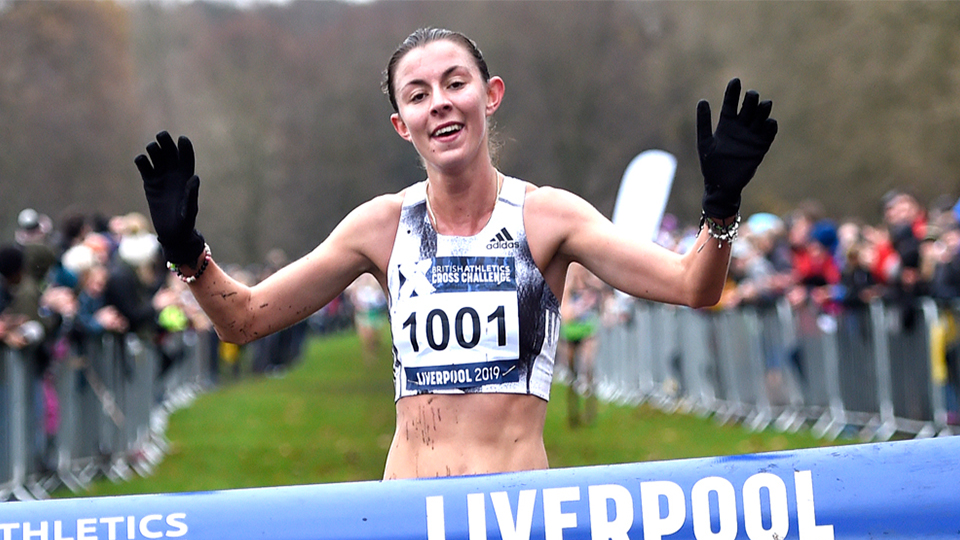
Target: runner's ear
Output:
{"points": [[400, 126], [495, 89]]}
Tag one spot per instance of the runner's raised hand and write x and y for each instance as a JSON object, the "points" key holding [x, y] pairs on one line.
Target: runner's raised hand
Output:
{"points": [[729, 156], [172, 191]]}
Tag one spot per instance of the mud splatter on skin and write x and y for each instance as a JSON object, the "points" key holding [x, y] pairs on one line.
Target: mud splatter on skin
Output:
{"points": [[427, 424]]}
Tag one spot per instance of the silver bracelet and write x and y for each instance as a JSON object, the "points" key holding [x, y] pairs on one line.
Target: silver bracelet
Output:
{"points": [[723, 233]]}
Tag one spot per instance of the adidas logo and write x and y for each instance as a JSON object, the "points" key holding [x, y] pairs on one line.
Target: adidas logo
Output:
{"points": [[502, 240]]}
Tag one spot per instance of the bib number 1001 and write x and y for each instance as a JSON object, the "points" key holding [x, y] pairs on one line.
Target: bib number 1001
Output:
{"points": [[467, 329]]}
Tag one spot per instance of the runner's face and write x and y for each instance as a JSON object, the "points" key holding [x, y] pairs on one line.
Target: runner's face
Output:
{"points": [[444, 103]]}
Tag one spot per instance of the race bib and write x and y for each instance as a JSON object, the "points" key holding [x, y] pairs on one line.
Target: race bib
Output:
{"points": [[456, 322]]}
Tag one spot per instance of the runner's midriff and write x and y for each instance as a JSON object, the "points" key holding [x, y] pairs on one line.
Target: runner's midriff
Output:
{"points": [[454, 435]]}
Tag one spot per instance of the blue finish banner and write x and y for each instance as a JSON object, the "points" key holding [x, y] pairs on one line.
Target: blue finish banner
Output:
{"points": [[905, 489]]}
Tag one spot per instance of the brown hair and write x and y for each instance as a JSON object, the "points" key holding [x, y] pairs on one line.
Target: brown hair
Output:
{"points": [[422, 37]]}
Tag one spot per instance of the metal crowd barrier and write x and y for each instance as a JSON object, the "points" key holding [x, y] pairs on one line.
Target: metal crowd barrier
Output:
{"points": [[872, 372], [108, 417]]}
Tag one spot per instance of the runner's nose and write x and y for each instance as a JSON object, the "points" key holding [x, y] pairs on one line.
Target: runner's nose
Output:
{"points": [[441, 103]]}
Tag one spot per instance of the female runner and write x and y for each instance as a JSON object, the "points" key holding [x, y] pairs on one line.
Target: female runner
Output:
{"points": [[472, 261]]}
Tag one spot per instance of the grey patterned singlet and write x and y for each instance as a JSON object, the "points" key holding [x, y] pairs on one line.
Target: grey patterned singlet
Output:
{"points": [[470, 314]]}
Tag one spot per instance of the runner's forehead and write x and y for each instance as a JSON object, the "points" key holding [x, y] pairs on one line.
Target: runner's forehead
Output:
{"points": [[431, 61]]}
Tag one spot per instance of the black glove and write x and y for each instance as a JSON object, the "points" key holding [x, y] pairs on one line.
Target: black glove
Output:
{"points": [[172, 188], [730, 156]]}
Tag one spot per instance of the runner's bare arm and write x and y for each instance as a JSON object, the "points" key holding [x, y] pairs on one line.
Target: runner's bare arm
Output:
{"points": [[564, 228], [357, 245]]}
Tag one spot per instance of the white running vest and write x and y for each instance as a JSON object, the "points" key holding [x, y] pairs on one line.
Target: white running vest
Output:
{"points": [[470, 314]]}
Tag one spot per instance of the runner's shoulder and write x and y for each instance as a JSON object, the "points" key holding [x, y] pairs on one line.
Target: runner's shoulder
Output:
{"points": [[554, 202], [378, 212]]}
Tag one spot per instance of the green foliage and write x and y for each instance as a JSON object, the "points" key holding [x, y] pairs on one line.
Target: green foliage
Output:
{"points": [[331, 419]]}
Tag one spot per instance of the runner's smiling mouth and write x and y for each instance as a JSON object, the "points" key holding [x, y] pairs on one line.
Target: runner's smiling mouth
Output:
{"points": [[448, 129]]}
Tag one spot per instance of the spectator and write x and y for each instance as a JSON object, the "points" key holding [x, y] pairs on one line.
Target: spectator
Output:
{"points": [[941, 254], [901, 208], [94, 317], [73, 228], [859, 285], [815, 270], [71, 233], [23, 299], [11, 270], [134, 278], [905, 220], [31, 236]]}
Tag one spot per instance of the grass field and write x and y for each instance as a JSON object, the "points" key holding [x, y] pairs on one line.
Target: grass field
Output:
{"points": [[331, 419]]}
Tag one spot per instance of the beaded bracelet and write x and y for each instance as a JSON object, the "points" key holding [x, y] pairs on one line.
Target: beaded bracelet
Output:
{"points": [[175, 268], [723, 233]]}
